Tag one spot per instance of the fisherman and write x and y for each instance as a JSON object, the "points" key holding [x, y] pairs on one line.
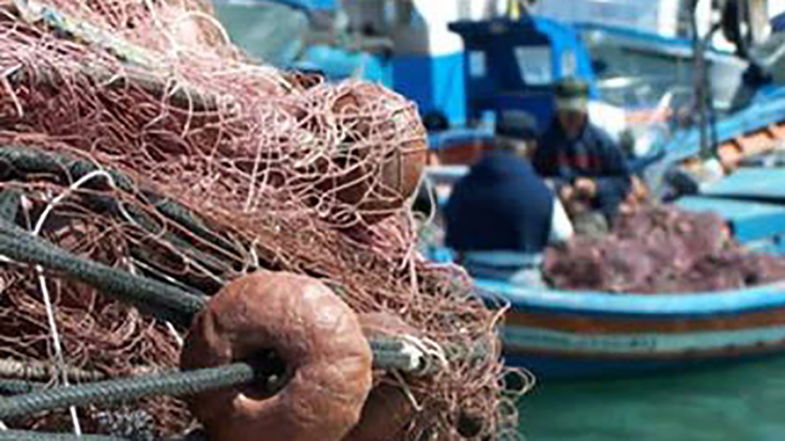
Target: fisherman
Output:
{"points": [[584, 165], [501, 216]]}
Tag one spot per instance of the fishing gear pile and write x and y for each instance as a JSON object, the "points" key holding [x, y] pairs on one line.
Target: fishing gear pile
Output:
{"points": [[660, 249], [135, 135]]}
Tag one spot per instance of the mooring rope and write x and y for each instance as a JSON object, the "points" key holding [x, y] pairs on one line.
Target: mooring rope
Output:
{"points": [[159, 299], [126, 389], [15, 387], [27, 435], [181, 383], [38, 370]]}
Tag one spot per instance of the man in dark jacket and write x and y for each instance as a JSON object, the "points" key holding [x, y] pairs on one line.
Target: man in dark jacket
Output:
{"points": [[580, 158], [501, 216]]}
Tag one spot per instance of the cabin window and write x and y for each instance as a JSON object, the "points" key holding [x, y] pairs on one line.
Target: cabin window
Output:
{"points": [[534, 63], [568, 63], [477, 66]]}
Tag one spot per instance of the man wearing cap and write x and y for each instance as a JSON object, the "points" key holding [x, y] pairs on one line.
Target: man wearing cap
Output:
{"points": [[515, 131], [501, 215], [580, 158]]}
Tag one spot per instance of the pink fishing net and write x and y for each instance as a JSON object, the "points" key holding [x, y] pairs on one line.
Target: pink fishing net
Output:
{"points": [[661, 249], [275, 170]]}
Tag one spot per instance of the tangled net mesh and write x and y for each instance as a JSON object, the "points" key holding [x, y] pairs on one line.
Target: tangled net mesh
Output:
{"points": [[276, 170]]}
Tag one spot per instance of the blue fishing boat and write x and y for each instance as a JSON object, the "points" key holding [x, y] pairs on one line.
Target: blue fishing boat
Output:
{"points": [[559, 333], [639, 80]]}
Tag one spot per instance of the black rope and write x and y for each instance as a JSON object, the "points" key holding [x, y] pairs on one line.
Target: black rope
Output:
{"points": [[386, 344], [180, 383], [16, 387], [157, 298], [37, 370], [126, 389], [27, 435], [400, 361], [9, 204], [23, 162]]}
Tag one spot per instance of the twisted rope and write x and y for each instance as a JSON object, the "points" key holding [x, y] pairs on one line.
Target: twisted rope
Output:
{"points": [[15, 387], [159, 299], [385, 357], [24, 162], [26, 435], [126, 389], [36, 370]]}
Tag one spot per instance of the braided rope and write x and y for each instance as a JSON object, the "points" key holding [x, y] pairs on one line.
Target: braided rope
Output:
{"points": [[112, 391], [159, 299], [185, 383], [14, 387], [27, 435], [36, 370]]}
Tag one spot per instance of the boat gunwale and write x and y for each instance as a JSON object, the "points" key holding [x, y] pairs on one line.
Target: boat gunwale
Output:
{"points": [[750, 299]]}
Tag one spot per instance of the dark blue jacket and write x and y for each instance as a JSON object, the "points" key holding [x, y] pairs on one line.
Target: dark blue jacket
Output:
{"points": [[500, 205], [594, 155]]}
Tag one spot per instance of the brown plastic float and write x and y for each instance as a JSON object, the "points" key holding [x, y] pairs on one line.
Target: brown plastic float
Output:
{"points": [[320, 362]]}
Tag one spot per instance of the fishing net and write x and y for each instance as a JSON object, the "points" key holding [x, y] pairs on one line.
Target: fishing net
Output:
{"points": [[133, 133], [660, 249]]}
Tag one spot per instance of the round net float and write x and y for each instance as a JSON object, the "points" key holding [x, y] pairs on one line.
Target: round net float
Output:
{"points": [[381, 324], [388, 410], [308, 343], [384, 416], [381, 125]]}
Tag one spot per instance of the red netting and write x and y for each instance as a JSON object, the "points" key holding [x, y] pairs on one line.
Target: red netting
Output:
{"points": [[282, 171], [661, 249]]}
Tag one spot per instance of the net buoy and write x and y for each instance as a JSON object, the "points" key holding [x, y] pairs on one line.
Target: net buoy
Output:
{"points": [[378, 192], [387, 410], [309, 343]]}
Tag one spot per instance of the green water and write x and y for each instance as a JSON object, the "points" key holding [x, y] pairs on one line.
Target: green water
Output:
{"points": [[745, 402]]}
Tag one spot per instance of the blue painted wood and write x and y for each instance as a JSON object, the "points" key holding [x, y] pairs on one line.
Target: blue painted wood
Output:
{"points": [[751, 221], [764, 183], [766, 110], [639, 305], [651, 344], [561, 367], [446, 174]]}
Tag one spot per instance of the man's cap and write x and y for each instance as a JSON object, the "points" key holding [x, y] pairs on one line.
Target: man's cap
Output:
{"points": [[572, 94], [515, 124]]}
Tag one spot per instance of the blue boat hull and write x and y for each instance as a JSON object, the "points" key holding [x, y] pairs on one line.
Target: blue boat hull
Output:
{"points": [[558, 334], [560, 366]]}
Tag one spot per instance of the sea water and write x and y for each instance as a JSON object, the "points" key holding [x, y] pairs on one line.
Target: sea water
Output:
{"points": [[742, 402]]}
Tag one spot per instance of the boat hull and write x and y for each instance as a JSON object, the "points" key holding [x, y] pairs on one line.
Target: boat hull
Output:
{"points": [[558, 334]]}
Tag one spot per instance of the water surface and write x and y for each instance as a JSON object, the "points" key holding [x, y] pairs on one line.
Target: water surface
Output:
{"points": [[744, 402]]}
